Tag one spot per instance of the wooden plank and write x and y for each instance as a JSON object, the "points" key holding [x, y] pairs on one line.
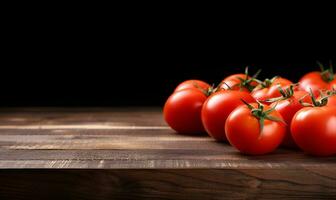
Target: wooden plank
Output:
{"points": [[130, 153], [167, 184], [132, 148], [82, 116], [158, 164]]}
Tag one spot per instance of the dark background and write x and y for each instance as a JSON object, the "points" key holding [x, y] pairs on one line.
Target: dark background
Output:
{"points": [[137, 60], [140, 82]]}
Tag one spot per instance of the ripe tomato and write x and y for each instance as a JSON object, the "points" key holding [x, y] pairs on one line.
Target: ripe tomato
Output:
{"points": [[218, 107], [314, 130], [192, 84], [332, 98], [287, 107], [255, 129], [316, 81], [332, 101], [270, 88], [241, 82], [182, 111]]}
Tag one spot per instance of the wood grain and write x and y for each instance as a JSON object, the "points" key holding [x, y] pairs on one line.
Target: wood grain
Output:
{"points": [[130, 153], [167, 184]]}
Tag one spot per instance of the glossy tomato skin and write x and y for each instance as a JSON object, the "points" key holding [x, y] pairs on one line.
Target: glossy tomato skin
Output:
{"points": [[190, 84], [315, 82], [233, 82], [243, 131], [314, 130], [218, 107], [287, 109], [263, 94], [332, 101], [182, 111]]}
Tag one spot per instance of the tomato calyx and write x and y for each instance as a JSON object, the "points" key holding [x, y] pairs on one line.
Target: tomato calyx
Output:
{"points": [[326, 74], [246, 83], [207, 92], [268, 82], [262, 114], [323, 101], [286, 94], [331, 92]]}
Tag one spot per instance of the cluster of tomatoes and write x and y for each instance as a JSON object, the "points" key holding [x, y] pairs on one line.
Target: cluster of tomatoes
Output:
{"points": [[257, 116]]}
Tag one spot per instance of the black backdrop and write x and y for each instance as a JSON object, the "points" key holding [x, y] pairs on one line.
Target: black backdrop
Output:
{"points": [[139, 82], [61, 62]]}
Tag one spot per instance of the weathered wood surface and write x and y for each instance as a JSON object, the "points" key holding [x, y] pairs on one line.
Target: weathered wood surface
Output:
{"points": [[130, 153]]}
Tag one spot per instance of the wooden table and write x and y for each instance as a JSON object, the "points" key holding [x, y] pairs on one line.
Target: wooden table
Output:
{"points": [[130, 153]]}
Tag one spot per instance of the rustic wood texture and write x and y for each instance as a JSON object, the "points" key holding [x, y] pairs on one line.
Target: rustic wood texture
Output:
{"points": [[130, 153]]}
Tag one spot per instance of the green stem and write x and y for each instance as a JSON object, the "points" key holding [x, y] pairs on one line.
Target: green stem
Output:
{"points": [[212, 89], [326, 74], [268, 82], [315, 102], [331, 92], [246, 83], [261, 115], [286, 94]]}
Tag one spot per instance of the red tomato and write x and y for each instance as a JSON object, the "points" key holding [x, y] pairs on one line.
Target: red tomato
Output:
{"points": [[332, 84], [332, 101], [316, 81], [287, 109], [192, 84], [182, 111], [332, 98], [244, 130], [314, 130], [241, 82], [218, 107], [270, 88]]}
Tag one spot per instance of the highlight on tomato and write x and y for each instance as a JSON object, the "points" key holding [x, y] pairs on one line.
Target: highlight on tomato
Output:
{"points": [[241, 82], [189, 84], [314, 127], [269, 88], [316, 81], [255, 129], [287, 105], [217, 108]]}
